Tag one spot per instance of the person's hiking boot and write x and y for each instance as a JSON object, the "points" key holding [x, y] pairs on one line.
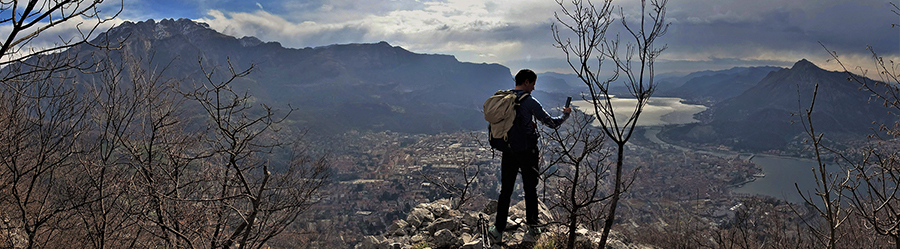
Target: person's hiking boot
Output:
{"points": [[495, 236]]}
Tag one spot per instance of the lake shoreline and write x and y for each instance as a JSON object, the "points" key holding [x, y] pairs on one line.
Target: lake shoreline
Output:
{"points": [[781, 172]]}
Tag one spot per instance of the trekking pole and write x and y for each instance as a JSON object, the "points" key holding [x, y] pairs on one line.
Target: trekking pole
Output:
{"points": [[485, 235]]}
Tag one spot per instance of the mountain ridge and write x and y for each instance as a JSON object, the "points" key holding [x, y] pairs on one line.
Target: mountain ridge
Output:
{"points": [[377, 86], [710, 87], [765, 116], [339, 87]]}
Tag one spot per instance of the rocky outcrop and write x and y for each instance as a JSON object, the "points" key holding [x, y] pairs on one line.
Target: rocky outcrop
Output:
{"points": [[437, 226]]}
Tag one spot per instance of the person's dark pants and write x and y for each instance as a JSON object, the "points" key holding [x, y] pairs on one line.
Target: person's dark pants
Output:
{"points": [[510, 165]]}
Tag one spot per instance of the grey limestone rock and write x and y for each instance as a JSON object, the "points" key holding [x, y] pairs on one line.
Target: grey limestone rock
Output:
{"points": [[418, 217], [442, 227], [441, 224], [445, 239], [399, 228], [373, 242], [470, 219], [474, 244], [439, 208], [490, 208]]}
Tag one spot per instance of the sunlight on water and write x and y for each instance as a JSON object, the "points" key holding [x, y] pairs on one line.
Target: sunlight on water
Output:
{"points": [[659, 111]]}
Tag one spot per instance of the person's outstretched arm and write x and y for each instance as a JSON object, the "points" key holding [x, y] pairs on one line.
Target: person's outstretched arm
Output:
{"points": [[541, 115]]}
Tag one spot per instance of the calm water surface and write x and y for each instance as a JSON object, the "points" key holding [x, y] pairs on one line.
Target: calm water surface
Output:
{"points": [[781, 172], [658, 111]]}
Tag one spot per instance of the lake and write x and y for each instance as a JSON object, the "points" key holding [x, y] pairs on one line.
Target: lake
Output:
{"points": [[659, 111], [781, 172]]}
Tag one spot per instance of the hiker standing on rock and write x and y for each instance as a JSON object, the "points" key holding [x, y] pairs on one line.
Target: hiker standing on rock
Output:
{"points": [[520, 148]]}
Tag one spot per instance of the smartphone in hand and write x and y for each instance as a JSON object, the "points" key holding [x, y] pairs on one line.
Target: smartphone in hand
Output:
{"points": [[568, 101]]}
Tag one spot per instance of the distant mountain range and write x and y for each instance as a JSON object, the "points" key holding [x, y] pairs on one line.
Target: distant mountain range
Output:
{"points": [[761, 118], [335, 88], [383, 87], [559, 83], [703, 87], [710, 87]]}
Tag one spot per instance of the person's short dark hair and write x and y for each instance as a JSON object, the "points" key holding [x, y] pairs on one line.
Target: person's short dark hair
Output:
{"points": [[525, 75]]}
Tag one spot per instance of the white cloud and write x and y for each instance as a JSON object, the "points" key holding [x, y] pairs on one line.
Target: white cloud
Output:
{"points": [[465, 28], [509, 31], [74, 30]]}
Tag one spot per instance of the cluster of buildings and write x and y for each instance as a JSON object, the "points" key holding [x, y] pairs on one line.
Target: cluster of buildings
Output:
{"points": [[381, 176]]}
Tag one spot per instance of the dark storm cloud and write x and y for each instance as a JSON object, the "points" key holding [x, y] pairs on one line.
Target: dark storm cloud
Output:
{"points": [[769, 33], [843, 27]]}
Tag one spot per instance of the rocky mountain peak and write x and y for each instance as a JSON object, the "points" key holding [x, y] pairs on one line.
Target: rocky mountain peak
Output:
{"points": [[165, 28], [249, 41], [761, 118], [804, 65]]}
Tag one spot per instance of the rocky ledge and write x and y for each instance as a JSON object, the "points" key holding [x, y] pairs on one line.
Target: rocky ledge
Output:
{"points": [[436, 225]]}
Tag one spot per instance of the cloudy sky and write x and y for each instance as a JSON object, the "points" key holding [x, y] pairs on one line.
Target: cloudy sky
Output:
{"points": [[704, 34]]}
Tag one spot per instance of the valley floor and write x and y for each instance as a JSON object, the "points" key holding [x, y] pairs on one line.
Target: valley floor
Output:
{"points": [[380, 178]]}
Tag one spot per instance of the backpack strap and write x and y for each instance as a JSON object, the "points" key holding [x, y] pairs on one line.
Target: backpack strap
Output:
{"points": [[520, 98]]}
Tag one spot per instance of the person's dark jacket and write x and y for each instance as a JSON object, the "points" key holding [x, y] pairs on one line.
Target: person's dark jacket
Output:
{"points": [[523, 135]]}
